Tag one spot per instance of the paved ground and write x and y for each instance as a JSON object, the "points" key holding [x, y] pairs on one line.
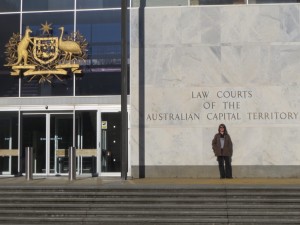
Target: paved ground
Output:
{"points": [[166, 182]]}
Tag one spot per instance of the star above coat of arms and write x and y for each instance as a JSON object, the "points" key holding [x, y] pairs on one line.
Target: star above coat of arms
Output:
{"points": [[45, 57]]}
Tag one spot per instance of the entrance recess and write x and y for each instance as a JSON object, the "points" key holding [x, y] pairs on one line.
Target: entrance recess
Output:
{"points": [[95, 134], [46, 133]]}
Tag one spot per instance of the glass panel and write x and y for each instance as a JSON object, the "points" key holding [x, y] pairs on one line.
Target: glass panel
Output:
{"points": [[38, 5], [86, 138], [215, 2], [9, 85], [57, 87], [102, 30], [10, 5], [138, 3], [92, 4], [111, 142], [9, 140], [99, 84], [34, 135], [272, 1], [61, 138]]}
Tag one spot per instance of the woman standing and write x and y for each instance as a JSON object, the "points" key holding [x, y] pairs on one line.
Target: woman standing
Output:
{"points": [[222, 146]]}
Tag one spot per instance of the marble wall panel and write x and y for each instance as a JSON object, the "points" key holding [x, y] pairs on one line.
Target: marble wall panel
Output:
{"points": [[170, 147], [290, 23], [249, 49]]}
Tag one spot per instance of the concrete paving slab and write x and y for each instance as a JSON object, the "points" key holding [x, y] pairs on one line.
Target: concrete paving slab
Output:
{"points": [[150, 182]]}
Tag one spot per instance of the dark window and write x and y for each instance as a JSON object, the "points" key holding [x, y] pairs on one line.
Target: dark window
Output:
{"points": [[91, 4], [10, 5], [37, 5], [102, 70], [62, 86], [102, 83], [57, 19], [55, 88], [9, 85]]}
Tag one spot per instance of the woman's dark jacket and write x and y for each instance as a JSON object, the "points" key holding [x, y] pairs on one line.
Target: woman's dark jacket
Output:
{"points": [[216, 145]]}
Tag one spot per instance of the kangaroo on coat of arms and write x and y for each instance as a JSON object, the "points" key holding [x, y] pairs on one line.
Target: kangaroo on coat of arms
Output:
{"points": [[22, 47]]}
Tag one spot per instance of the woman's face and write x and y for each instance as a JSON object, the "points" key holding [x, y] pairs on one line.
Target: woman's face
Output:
{"points": [[221, 129]]}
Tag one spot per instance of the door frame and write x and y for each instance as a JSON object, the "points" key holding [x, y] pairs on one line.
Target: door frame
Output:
{"points": [[67, 109], [99, 133], [9, 139], [107, 109], [47, 134]]}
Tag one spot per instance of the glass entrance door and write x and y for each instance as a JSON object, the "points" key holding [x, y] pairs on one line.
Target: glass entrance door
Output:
{"points": [[50, 135], [98, 142], [34, 135], [110, 142], [9, 143], [61, 138], [95, 134]]}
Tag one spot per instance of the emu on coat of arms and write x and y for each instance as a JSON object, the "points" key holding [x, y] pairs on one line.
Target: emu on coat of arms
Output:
{"points": [[46, 56]]}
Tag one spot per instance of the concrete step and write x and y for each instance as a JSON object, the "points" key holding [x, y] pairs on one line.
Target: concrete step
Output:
{"points": [[112, 220], [153, 213], [58, 205], [133, 206], [147, 220], [118, 213], [157, 193]]}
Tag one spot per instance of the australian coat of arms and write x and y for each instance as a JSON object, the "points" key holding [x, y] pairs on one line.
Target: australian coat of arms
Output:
{"points": [[45, 57]]}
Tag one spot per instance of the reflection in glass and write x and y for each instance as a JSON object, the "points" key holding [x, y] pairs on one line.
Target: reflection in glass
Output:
{"points": [[101, 83], [34, 135], [93, 4], [102, 30], [149, 3], [38, 5], [86, 139], [56, 88], [215, 2], [272, 1], [8, 141], [10, 6], [61, 138], [111, 142], [57, 19], [9, 85], [101, 73]]}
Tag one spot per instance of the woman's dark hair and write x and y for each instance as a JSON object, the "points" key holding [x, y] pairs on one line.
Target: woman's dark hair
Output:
{"points": [[225, 130]]}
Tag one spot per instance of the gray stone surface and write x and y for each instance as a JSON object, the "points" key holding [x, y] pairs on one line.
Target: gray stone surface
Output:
{"points": [[202, 66]]}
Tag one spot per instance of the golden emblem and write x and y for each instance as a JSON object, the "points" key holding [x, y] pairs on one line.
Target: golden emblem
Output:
{"points": [[45, 56]]}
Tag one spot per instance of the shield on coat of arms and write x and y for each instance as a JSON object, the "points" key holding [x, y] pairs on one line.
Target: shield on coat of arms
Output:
{"points": [[45, 49]]}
